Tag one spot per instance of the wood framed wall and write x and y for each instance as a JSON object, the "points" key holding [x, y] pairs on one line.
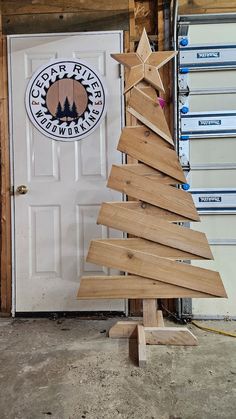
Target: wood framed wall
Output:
{"points": [[23, 16], [187, 7]]}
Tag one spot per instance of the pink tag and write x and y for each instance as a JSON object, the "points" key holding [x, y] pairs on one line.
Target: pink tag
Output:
{"points": [[161, 101]]}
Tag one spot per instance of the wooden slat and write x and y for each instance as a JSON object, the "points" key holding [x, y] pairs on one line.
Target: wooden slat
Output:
{"points": [[144, 49], [149, 266], [147, 171], [152, 76], [66, 22], [6, 242], [170, 336], [206, 6], [153, 192], [160, 58], [156, 249], [135, 75], [141, 131], [130, 60], [142, 355], [16, 7], [132, 286], [160, 320], [145, 208], [151, 228], [135, 142], [123, 329], [150, 312], [149, 112]]}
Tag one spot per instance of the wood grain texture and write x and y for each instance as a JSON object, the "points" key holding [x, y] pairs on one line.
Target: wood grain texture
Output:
{"points": [[153, 192], [135, 141], [170, 336], [6, 241], [65, 22], [16, 7], [148, 209], [132, 287], [149, 112], [156, 249], [147, 171], [206, 6], [123, 329], [149, 266], [142, 355], [160, 320], [156, 230], [150, 312], [141, 131]]}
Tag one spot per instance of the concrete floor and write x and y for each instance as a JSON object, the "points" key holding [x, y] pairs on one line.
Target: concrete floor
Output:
{"points": [[68, 369]]}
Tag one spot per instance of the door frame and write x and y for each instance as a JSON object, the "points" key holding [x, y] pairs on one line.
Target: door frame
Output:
{"points": [[10, 238], [5, 242]]}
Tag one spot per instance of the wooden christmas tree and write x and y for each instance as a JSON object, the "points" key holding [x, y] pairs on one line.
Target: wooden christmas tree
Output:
{"points": [[154, 258]]}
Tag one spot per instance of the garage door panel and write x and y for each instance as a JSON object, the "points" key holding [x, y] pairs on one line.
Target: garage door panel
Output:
{"points": [[212, 103], [211, 33], [212, 179], [212, 151], [224, 263], [212, 80], [217, 227]]}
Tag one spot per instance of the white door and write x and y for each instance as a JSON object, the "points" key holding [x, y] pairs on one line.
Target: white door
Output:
{"points": [[55, 221]]}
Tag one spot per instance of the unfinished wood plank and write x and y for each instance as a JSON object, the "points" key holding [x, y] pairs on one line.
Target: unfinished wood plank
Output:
{"points": [[149, 112], [147, 171], [144, 49], [130, 59], [151, 74], [5, 185], [153, 192], [145, 208], [156, 249], [206, 6], [141, 131], [149, 227], [136, 143], [149, 312], [149, 266], [16, 7], [132, 287], [160, 58], [160, 320], [123, 329], [134, 76], [170, 336], [142, 355], [69, 22]]}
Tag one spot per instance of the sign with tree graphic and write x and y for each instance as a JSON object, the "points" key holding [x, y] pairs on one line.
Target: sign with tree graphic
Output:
{"points": [[66, 99]]}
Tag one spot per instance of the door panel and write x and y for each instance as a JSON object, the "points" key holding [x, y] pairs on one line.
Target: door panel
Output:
{"points": [[210, 80], [211, 152], [212, 179], [56, 219], [221, 233]]}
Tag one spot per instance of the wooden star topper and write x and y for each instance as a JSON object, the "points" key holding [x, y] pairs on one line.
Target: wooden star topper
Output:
{"points": [[144, 64]]}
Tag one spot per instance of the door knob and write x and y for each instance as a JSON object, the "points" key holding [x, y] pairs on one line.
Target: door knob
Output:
{"points": [[22, 189]]}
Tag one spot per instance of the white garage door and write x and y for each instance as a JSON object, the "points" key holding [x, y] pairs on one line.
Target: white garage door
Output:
{"points": [[207, 102]]}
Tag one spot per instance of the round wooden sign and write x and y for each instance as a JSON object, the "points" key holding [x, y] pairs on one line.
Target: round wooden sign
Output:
{"points": [[66, 99]]}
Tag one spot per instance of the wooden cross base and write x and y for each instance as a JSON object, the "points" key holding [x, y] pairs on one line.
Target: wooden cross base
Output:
{"points": [[151, 331]]}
